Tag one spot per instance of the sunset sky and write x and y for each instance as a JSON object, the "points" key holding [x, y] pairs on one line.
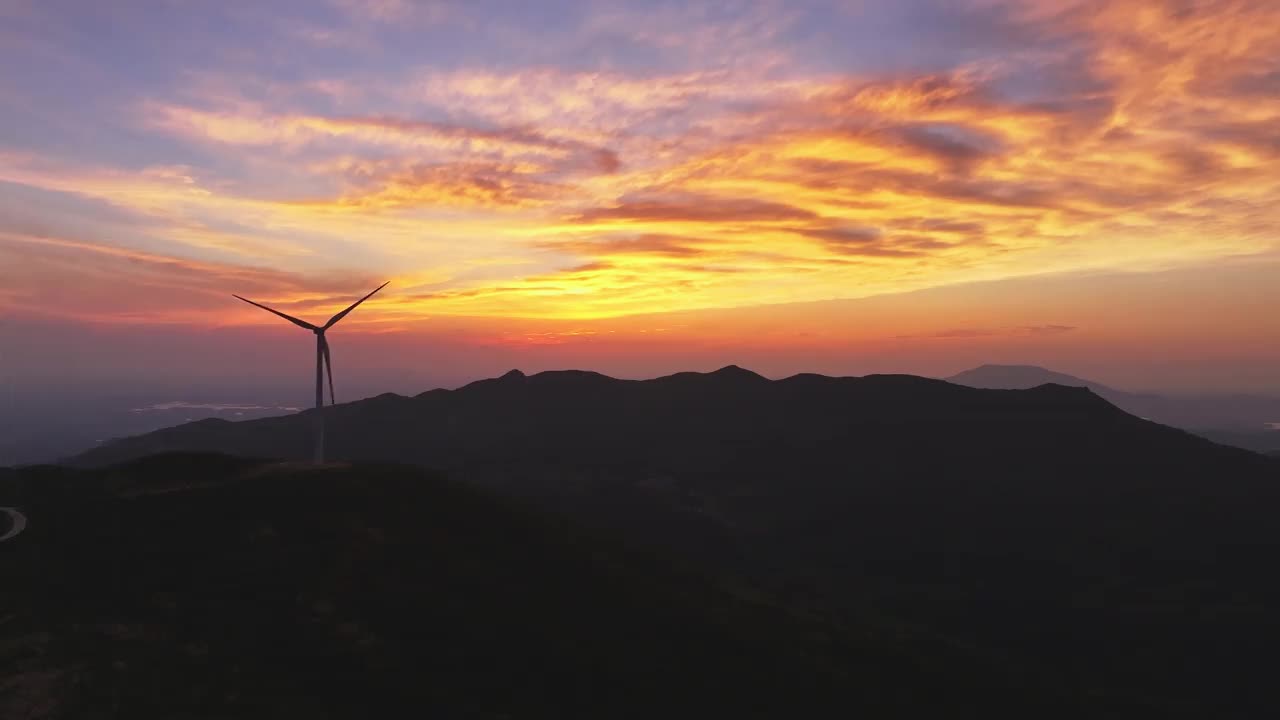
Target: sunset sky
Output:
{"points": [[641, 187]]}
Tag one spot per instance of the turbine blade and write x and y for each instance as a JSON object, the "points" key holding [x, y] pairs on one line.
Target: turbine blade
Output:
{"points": [[328, 366], [333, 320], [290, 318]]}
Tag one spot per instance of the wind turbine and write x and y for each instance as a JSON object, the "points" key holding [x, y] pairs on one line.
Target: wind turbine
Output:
{"points": [[323, 362]]}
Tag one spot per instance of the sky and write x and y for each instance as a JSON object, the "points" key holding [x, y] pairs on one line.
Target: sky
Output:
{"points": [[637, 188]]}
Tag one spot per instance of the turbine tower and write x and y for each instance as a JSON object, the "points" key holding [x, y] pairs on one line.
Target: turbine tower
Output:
{"points": [[323, 363]]}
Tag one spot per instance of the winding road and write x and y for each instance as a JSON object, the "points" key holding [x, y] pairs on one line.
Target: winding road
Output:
{"points": [[17, 523]]}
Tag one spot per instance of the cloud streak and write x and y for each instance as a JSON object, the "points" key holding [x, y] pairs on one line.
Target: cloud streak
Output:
{"points": [[981, 332]]}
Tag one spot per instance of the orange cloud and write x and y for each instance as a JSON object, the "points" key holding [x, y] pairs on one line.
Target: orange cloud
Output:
{"points": [[469, 184], [691, 209], [665, 245]]}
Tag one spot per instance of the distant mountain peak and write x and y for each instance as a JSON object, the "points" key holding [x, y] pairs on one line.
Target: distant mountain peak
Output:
{"points": [[1021, 377], [513, 375], [735, 371]]}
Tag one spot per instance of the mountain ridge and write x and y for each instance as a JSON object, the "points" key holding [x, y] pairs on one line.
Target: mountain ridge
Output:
{"points": [[1237, 420], [1049, 398]]}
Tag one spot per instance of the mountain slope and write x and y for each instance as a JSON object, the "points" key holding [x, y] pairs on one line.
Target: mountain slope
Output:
{"points": [[1043, 525], [1231, 419], [206, 586]]}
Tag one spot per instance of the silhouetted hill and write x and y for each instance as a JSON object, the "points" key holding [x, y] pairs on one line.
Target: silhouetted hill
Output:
{"points": [[1232, 419], [439, 426], [1043, 525], [1021, 377], [205, 586]]}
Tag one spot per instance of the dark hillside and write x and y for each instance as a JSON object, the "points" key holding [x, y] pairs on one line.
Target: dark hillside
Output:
{"points": [[1044, 525], [205, 586]]}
